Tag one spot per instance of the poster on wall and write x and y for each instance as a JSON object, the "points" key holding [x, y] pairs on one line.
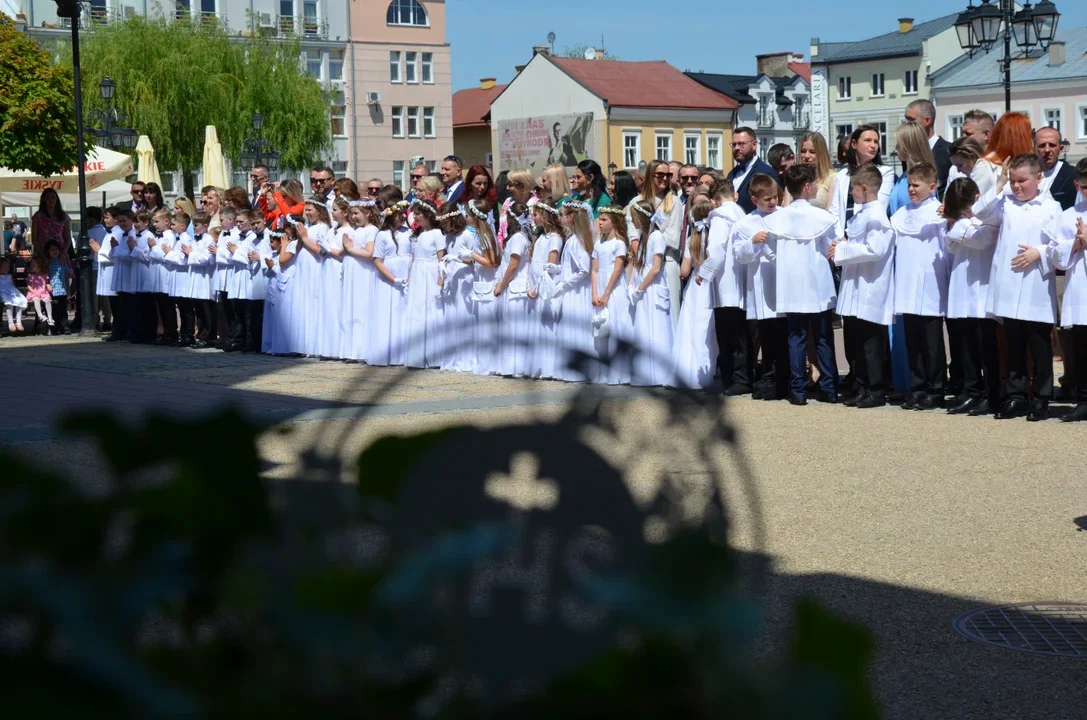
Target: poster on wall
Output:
{"points": [[537, 142]]}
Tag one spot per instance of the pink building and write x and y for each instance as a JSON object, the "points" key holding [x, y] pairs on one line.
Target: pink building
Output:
{"points": [[402, 87], [1049, 87]]}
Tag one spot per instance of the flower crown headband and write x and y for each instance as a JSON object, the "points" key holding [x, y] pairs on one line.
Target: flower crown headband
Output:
{"points": [[396, 207], [641, 209], [544, 206], [426, 206], [612, 210], [275, 234], [365, 203], [476, 211], [459, 210], [578, 205], [523, 219]]}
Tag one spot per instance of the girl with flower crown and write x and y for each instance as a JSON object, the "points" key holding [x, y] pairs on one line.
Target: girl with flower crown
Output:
{"points": [[459, 353], [514, 307], [546, 250], [388, 299], [359, 276], [423, 329], [573, 295], [695, 346], [330, 331], [486, 257], [611, 321], [279, 313], [650, 307], [306, 301]]}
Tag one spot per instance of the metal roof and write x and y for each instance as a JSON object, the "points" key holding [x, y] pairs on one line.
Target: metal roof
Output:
{"points": [[984, 69], [736, 86], [892, 44]]}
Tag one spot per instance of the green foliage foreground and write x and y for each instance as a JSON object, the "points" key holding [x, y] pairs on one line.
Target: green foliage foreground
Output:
{"points": [[186, 584]]}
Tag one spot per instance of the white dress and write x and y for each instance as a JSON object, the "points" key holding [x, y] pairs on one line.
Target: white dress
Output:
{"points": [[423, 330], [575, 306], [306, 295], [358, 282], [546, 357], [484, 313], [272, 303], [695, 346], [278, 338], [9, 294], [515, 311], [652, 321], [970, 244], [460, 352], [330, 331], [1062, 237], [389, 301], [613, 370]]}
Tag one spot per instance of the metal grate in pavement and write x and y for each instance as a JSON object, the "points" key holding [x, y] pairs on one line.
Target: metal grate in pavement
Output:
{"points": [[1042, 628]]}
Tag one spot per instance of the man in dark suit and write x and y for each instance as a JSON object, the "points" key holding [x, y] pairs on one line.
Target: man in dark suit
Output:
{"points": [[454, 186], [923, 112], [1057, 177], [136, 203], [745, 150]]}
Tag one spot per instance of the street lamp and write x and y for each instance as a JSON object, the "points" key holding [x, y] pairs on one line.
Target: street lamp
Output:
{"points": [[113, 134], [258, 150], [978, 28]]}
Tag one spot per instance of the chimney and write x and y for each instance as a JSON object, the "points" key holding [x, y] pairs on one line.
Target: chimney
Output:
{"points": [[773, 64], [487, 83], [905, 25], [517, 69], [1056, 53], [541, 50], [813, 47], [598, 53]]}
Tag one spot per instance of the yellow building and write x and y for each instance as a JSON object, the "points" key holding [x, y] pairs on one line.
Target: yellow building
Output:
{"points": [[472, 123], [617, 113]]}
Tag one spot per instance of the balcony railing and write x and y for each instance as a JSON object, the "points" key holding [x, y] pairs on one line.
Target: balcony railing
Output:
{"points": [[315, 27], [802, 120], [766, 119], [288, 25]]}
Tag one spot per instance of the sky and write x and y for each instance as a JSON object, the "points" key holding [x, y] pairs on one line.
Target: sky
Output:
{"points": [[490, 37]]}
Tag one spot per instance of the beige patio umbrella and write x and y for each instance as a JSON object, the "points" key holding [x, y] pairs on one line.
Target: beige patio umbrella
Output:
{"points": [[147, 169], [214, 166]]}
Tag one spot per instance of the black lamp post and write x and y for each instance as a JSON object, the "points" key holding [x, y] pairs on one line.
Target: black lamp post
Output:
{"points": [[258, 150], [979, 28], [112, 133]]}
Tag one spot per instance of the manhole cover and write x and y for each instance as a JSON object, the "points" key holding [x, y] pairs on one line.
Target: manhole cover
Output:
{"points": [[1043, 628]]}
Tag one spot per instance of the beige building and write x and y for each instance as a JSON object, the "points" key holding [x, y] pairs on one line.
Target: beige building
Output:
{"points": [[402, 94], [472, 123]]}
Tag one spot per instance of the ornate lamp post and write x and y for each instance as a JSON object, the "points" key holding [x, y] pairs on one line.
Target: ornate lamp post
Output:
{"points": [[979, 28], [112, 133], [258, 150]]}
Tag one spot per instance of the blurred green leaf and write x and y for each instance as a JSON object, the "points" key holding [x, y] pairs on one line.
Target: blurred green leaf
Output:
{"points": [[383, 465]]}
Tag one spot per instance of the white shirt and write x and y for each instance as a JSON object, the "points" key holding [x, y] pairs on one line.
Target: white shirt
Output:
{"points": [[970, 245], [839, 202], [867, 262], [1048, 176], [921, 271], [729, 277], [1062, 235], [758, 260], [803, 234], [739, 180], [932, 141]]}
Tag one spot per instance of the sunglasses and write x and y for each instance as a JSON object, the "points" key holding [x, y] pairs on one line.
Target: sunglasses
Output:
{"points": [[136, 192], [662, 175], [417, 178], [373, 191], [319, 181], [688, 179]]}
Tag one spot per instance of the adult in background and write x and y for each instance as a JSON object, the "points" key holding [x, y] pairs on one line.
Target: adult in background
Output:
{"points": [[51, 224], [657, 190], [814, 152], [454, 186], [706, 178], [913, 149], [1058, 177], [1012, 135], [688, 181], [624, 188], [18, 230], [674, 167], [745, 149], [152, 198], [237, 198], [257, 178], [186, 206], [417, 173], [923, 112], [554, 185], [135, 204], [589, 185], [480, 187], [978, 125], [211, 202], [521, 187], [967, 161], [320, 182], [374, 185]]}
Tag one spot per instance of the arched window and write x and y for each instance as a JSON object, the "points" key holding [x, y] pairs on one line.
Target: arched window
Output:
{"points": [[406, 12]]}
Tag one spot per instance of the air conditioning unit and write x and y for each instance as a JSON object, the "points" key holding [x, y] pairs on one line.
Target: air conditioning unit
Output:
{"points": [[373, 98], [129, 11], [267, 20]]}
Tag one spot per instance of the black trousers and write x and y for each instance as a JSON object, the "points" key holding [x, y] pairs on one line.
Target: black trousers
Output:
{"points": [[870, 348], [148, 314], [255, 325], [735, 358], [1079, 340], [1023, 335], [239, 322], [927, 354], [118, 328], [204, 311], [974, 343], [60, 311], [130, 307], [774, 341], [224, 318], [186, 310], [167, 308]]}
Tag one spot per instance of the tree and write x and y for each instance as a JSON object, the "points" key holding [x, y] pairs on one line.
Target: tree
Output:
{"points": [[37, 114], [578, 51], [174, 78]]}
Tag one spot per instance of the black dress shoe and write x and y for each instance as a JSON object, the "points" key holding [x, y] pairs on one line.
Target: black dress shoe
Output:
{"points": [[1039, 411], [895, 396], [759, 393], [913, 400], [797, 400], [200, 345], [232, 348], [161, 341], [931, 402], [1065, 394], [853, 399], [1078, 414], [1012, 409], [981, 406], [961, 406], [872, 400], [737, 389], [824, 397]]}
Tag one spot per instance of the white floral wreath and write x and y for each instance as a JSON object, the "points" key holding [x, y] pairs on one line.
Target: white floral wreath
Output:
{"points": [[641, 209], [544, 206], [365, 203], [426, 206], [578, 205], [396, 207]]}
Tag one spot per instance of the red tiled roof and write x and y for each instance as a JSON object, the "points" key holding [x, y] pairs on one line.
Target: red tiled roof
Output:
{"points": [[802, 69], [653, 84], [471, 105]]}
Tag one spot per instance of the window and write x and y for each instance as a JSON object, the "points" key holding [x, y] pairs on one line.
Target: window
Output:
{"points": [[339, 167], [1053, 118], [911, 82], [954, 127], [692, 151], [765, 143], [313, 63], [428, 122], [1081, 131], [394, 66], [398, 173], [428, 67], [432, 166], [337, 113], [182, 11], [877, 84], [397, 116], [406, 12], [713, 151], [335, 65], [309, 17], [489, 160], [207, 7], [844, 130], [413, 122], [882, 127], [168, 182], [664, 147], [632, 149], [845, 88], [409, 66]]}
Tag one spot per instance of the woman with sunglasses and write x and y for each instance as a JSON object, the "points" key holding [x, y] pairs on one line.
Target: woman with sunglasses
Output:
{"points": [[590, 185], [657, 191]]}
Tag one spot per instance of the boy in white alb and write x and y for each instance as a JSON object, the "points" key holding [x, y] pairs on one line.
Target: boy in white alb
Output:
{"points": [[224, 271], [240, 281], [162, 242], [1022, 288], [201, 261], [866, 292], [750, 246], [735, 356], [100, 246], [921, 277], [126, 315], [143, 332], [1067, 249], [802, 234], [176, 242]]}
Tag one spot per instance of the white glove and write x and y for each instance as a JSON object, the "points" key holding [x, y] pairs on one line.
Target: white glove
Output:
{"points": [[438, 289], [466, 256], [560, 288], [552, 269], [635, 296], [402, 283]]}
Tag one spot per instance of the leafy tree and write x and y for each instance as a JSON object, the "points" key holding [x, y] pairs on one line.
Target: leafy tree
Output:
{"points": [[37, 117], [578, 51], [174, 78]]}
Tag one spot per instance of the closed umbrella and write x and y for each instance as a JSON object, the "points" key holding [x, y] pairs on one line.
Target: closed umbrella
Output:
{"points": [[214, 165], [148, 169]]}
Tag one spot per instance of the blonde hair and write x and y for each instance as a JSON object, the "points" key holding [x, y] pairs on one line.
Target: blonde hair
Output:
{"points": [[483, 229], [560, 184], [292, 190], [619, 223], [186, 206], [583, 227], [650, 189], [432, 185], [700, 210], [824, 166], [913, 145], [521, 178]]}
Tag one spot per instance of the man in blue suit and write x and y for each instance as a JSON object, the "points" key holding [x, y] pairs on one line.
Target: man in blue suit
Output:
{"points": [[745, 150]]}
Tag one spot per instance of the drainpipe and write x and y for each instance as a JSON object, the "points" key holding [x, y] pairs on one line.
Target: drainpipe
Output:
{"points": [[607, 133], [354, 115]]}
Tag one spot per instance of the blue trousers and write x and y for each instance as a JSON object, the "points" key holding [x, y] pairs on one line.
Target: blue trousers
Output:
{"points": [[824, 352]]}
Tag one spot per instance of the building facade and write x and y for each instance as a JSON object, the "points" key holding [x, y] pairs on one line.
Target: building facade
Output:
{"points": [[1049, 87], [617, 113], [472, 123], [401, 73], [776, 102], [871, 81]]}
